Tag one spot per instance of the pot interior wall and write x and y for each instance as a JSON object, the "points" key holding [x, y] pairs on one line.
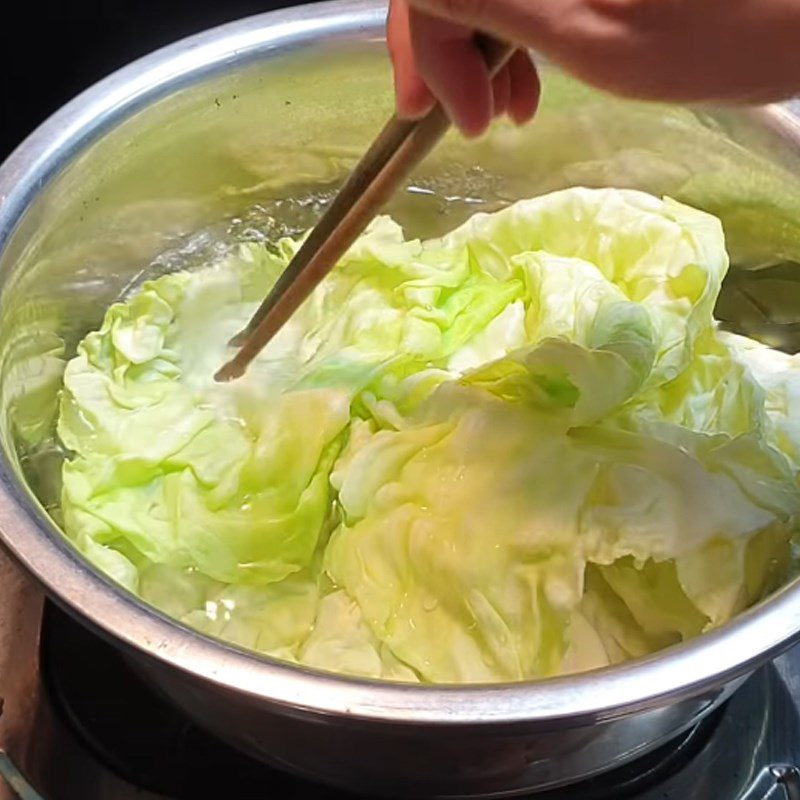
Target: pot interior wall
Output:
{"points": [[257, 151]]}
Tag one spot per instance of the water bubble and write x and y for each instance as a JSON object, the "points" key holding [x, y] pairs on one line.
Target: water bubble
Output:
{"points": [[430, 603]]}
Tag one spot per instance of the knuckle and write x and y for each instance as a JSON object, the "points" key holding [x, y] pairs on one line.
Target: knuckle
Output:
{"points": [[638, 14], [461, 10]]}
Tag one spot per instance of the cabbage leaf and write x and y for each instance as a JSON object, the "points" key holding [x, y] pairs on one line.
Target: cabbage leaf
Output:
{"points": [[519, 450]]}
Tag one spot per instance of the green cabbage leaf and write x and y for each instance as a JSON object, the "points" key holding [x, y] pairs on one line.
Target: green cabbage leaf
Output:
{"points": [[519, 450]]}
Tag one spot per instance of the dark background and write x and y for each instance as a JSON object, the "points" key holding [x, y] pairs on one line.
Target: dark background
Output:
{"points": [[50, 51]]}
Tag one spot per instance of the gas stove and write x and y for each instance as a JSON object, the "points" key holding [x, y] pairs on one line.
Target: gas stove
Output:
{"points": [[78, 724]]}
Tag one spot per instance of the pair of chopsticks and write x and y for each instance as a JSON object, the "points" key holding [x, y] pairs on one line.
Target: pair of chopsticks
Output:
{"points": [[386, 166]]}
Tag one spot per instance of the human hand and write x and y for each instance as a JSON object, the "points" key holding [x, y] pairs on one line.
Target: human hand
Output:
{"points": [[722, 51], [436, 58]]}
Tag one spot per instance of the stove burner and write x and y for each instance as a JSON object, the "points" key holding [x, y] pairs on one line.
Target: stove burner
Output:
{"points": [[77, 724], [150, 744], [644, 773], [143, 738]]}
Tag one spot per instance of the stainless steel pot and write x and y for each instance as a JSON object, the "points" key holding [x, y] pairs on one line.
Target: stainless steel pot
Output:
{"points": [[280, 106]]}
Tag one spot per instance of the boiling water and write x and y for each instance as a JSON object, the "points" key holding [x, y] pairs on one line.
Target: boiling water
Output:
{"points": [[425, 209], [763, 304]]}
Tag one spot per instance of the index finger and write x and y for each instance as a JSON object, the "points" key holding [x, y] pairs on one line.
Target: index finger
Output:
{"points": [[454, 69], [535, 23]]}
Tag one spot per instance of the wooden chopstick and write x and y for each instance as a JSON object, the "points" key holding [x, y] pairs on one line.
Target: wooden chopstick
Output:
{"points": [[385, 167], [382, 149]]}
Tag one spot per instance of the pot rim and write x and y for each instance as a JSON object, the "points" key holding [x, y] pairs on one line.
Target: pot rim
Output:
{"points": [[674, 674]]}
